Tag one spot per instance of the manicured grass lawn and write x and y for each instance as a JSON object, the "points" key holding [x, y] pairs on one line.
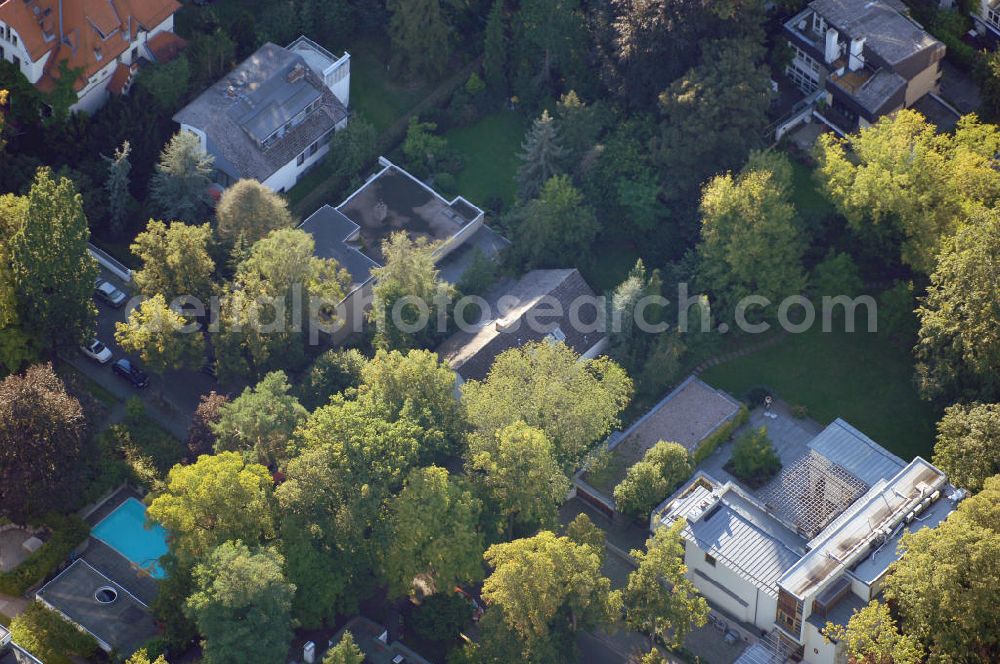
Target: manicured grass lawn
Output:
{"points": [[860, 377], [489, 148]]}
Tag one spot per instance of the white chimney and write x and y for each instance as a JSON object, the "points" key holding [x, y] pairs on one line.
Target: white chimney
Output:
{"points": [[832, 47], [309, 652], [856, 60]]}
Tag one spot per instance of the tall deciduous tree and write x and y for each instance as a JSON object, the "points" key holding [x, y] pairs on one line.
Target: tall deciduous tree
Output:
{"points": [[420, 37], [281, 289], [248, 211], [905, 187], [557, 227], [52, 271], [261, 420], [323, 524], [519, 473], [545, 587], [242, 606], [120, 200], [750, 244], [179, 188], [417, 385], [872, 637], [331, 373], [574, 402], [175, 260], [217, 498], [432, 539], [944, 584], [667, 615], [495, 50], [968, 444], [155, 333], [42, 436], [409, 272], [958, 349]]}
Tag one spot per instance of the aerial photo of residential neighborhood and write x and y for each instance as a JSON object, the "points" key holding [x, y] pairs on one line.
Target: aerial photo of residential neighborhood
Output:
{"points": [[499, 331]]}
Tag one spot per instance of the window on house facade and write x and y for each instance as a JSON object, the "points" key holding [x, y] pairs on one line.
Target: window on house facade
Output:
{"points": [[17, 61], [993, 16], [710, 560], [804, 79], [313, 148], [300, 159], [3, 56], [135, 54]]}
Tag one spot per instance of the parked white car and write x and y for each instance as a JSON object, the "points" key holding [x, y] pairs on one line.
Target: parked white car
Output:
{"points": [[96, 351]]}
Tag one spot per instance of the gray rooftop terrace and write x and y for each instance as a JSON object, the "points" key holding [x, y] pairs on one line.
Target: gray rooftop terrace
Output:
{"points": [[393, 200], [887, 31], [124, 624]]}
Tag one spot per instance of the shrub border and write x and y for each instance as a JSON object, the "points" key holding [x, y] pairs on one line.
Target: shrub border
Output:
{"points": [[67, 533]]}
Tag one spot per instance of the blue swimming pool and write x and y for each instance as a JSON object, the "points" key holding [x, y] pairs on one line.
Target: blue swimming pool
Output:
{"points": [[125, 531]]}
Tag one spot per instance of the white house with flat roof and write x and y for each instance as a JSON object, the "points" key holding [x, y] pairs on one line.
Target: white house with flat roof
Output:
{"points": [[811, 547], [271, 118]]}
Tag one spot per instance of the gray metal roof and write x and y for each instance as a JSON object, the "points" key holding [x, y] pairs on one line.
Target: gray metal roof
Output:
{"points": [[258, 97], [738, 534], [857, 453], [331, 232], [889, 33]]}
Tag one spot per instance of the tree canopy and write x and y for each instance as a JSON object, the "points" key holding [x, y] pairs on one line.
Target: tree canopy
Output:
{"points": [[968, 444], [648, 482], [179, 188], [944, 585], [906, 188], [668, 615], [433, 541], [156, 333], [574, 402], [43, 433], [872, 637], [175, 260], [261, 420], [215, 499], [958, 350], [242, 605], [248, 211], [53, 274], [545, 586]]}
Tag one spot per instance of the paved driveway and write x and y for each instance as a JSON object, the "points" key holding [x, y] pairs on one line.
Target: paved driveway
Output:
{"points": [[180, 391]]}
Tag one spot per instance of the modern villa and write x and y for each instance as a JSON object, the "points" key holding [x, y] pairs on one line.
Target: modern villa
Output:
{"points": [[271, 118], [109, 586], [391, 201], [810, 546]]}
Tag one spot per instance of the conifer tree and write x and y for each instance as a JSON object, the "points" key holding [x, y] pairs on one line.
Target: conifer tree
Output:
{"points": [[116, 187], [419, 37], [495, 58], [179, 187], [541, 157]]}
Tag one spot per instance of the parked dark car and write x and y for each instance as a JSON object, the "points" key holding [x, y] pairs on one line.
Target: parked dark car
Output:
{"points": [[131, 373], [107, 293]]}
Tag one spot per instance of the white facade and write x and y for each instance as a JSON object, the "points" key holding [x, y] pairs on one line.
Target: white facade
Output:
{"points": [[988, 19], [94, 94]]}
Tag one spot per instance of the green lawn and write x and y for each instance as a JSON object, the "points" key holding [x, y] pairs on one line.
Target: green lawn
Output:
{"points": [[809, 201], [860, 377], [489, 148], [376, 96]]}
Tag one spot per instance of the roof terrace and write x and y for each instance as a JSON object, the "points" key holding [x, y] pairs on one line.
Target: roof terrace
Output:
{"points": [[393, 200]]}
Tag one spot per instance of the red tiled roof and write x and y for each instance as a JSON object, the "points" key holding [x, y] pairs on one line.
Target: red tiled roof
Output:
{"points": [[165, 46], [95, 32], [118, 80]]}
